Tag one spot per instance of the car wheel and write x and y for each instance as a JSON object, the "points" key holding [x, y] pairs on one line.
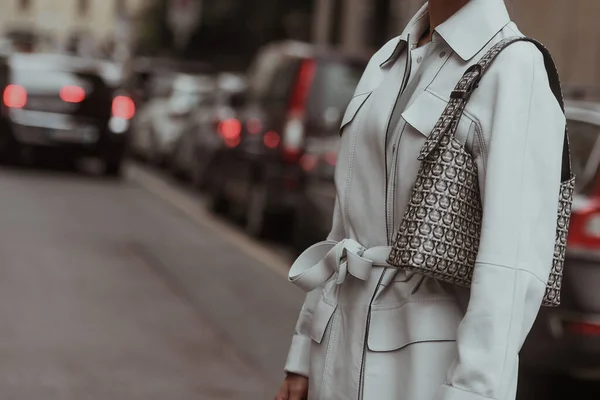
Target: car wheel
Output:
{"points": [[9, 149], [257, 217], [199, 172], [217, 202], [174, 164], [113, 168], [155, 157], [301, 238]]}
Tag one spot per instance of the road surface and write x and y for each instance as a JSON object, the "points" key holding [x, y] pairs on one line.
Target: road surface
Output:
{"points": [[129, 289], [125, 290]]}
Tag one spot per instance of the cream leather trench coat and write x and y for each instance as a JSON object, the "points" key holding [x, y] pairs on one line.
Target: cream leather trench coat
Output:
{"points": [[376, 333]]}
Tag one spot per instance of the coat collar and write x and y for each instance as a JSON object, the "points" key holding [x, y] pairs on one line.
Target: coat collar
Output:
{"points": [[466, 32]]}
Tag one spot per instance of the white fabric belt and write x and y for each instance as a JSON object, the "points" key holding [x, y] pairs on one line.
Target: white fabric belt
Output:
{"points": [[317, 264]]}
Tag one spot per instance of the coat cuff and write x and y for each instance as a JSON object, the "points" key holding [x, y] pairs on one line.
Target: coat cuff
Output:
{"points": [[447, 392], [298, 361]]}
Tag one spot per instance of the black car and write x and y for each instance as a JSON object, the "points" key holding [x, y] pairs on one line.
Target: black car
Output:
{"points": [[296, 92], [66, 105]]}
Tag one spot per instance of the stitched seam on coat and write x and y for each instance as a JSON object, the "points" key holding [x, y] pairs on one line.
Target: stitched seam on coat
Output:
{"points": [[465, 113], [397, 305], [470, 391], [351, 165], [514, 269], [391, 200], [361, 94], [450, 53], [519, 246], [328, 354]]}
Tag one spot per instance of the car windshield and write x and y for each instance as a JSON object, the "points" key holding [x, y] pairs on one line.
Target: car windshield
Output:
{"points": [[585, 154], [334, 85]]}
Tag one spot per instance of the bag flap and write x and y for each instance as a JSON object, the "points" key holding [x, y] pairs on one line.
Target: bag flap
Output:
{"points": [[353, 107], [413, 322]]}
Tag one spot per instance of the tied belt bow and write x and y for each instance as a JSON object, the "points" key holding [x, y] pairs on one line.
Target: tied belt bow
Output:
{"points": [[316, 265]]}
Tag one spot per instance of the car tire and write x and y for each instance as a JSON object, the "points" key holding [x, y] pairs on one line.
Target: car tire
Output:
{"points": [[175, 168], [113, 168], [200, 172], [257, 219], [9, 149], [301, 239], [217, 202]]}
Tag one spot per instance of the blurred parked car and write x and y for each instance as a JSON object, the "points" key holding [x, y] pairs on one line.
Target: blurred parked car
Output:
{"points": [[296, 92], [566, 340], [314, 207], [162, 119], [66, 104], [201, 138]]}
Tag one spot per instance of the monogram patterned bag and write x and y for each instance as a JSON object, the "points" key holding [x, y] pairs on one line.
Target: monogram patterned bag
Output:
{"points": [[439, 235]]}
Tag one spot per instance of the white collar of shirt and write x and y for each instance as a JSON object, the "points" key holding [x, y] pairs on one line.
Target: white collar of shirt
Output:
{"points": [[466, 32]]}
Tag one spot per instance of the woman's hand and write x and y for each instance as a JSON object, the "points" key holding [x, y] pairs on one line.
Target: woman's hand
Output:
{"points": [[294, 387]]}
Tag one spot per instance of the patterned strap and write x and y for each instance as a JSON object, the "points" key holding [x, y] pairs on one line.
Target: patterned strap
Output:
{"points": [[448, 122]]}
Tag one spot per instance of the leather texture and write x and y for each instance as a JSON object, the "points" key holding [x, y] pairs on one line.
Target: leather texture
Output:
{"points": [[439, 236], [373, 332]]}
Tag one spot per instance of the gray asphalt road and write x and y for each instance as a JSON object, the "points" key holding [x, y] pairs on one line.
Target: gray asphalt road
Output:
{"points": [[108, 291]]}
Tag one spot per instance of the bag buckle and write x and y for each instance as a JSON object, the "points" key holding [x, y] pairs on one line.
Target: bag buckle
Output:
{"points": [[472, 84]]}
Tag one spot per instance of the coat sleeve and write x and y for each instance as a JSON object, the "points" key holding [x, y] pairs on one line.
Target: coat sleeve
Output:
{"points": [[521, 166], [298, 359]]}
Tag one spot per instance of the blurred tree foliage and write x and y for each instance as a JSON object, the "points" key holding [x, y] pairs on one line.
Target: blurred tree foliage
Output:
{"points": [[230, 32]]}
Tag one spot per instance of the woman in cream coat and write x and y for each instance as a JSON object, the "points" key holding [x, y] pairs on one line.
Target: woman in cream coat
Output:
{"points": [[376, 333]]}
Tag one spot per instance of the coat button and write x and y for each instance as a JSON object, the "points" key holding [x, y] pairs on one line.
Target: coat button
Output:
{"points": [[442, 54], [419, 59]]}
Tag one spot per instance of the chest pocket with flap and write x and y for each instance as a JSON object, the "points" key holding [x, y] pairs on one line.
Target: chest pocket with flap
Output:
{"points": [[355, 104], [425, 111]]}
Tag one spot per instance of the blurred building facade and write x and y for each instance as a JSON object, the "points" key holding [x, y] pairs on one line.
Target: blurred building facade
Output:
{"points": [[59, 24], [568, 28]]}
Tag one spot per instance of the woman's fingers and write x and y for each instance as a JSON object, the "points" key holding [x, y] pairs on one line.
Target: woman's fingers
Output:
{"points": [[294, 387]]}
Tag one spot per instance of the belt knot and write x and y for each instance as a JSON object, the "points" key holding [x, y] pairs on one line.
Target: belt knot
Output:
{"points": [[317, 264]]}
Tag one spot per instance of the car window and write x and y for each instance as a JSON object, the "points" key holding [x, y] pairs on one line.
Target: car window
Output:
{"points": [[333, 87], [272, 77], [282, 81], [261, 72], [585, 154]]}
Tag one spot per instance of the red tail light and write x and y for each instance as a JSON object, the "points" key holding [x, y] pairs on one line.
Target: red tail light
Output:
{"points": [[72, 94], [271, 139], [583, 328], [254, 126], [123, 107], [331, 158], [308, 162], [234, 142], [230, 128], [15, 96]]}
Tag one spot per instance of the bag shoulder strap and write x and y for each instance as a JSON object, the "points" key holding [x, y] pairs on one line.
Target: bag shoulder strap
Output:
{"points": [[459, 98]]}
